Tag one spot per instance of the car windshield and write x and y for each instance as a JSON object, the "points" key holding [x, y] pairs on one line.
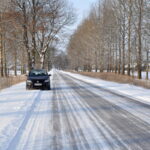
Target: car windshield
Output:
{"points": [[38, 73]]}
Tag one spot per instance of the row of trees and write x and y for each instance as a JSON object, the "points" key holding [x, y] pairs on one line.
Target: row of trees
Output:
{"points": [[29, 32], [114, 37]]}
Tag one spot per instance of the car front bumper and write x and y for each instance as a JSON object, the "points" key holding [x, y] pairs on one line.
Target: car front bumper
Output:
{"points": [[37, 83]]}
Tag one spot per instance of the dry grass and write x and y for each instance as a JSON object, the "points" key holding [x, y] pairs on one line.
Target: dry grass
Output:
{"points": [[117, 78], [9, 81]]}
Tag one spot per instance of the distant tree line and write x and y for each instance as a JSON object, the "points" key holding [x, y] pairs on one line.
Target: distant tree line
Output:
{"points": [[115, 37], [29, 32]]}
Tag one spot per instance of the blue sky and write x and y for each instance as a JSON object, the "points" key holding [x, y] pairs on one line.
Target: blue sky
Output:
{"points": [[82, 8]]}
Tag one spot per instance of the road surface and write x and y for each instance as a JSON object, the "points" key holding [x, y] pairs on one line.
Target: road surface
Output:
{"points": [[74, 115]]}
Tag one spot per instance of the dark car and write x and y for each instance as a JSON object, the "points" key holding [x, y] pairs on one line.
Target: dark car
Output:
{"points": [[38, 78]]}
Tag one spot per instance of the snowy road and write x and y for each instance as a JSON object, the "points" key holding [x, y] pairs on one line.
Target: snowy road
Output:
{"points": [[75, 115]]}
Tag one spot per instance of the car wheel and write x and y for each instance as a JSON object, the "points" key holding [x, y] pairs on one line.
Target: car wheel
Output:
{"points": [[48, 87], [28, 87]]}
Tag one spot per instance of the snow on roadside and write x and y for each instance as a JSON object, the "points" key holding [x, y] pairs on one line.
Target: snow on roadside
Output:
{"points": [[143, 75], [18, 114], [132, 91], [14, 104], [19, 109]]}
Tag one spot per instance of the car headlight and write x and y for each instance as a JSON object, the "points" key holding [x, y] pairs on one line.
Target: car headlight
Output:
{"points": [[29, 81], [47, 80]]}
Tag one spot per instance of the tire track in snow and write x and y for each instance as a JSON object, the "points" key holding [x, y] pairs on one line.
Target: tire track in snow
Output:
{"points": [[135, 123], [36, 135], [69, 124], [78, 128], [56, 124], [32, 130], [66, 133], [79, 140], [99, 126], [15, 140], [124, 99]]}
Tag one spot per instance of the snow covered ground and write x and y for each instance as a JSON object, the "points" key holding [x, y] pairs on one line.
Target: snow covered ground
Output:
{"points": [[132, 74], [143, 75], [80, 113], [24, 118]]}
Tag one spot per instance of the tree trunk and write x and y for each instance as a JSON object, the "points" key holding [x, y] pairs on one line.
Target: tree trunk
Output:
{"points": [[25, 37], [129, 36], [33, 33], [1, 54], [123, 47], [42, 58], [96, 67], [15, 60], [139, 59], [147, 65], [119, 63], [5, 61]]}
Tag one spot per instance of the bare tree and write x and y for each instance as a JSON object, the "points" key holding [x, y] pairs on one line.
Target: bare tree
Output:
{"points": [[113, 34], [42, 22]]}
